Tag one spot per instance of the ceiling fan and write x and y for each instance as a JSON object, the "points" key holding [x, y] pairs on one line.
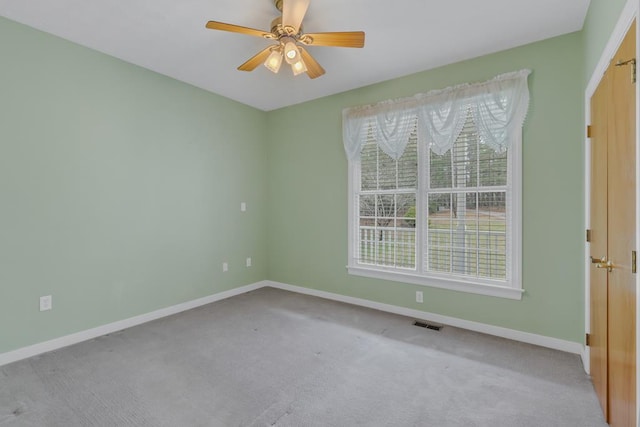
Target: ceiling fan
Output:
{"points": [[287, 32]]}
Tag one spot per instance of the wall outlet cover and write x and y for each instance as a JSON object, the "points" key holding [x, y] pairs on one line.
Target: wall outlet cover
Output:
{"points": [[46, 303]]}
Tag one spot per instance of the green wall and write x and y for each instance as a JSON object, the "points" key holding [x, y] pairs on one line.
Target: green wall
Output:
{"points": [[598, 26], [120, 189], [307, 222]]}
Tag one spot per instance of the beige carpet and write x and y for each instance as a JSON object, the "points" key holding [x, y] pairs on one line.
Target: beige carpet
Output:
{"points": [[274, 358]]}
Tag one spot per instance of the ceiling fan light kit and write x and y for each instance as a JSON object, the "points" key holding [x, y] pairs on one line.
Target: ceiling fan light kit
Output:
{"points": [[274, 60], [291, 52], [287, 31], [299, 68]]}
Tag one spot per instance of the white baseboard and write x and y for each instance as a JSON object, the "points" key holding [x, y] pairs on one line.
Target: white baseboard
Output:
{"points": [[541, 340], [67, 340], [585, 356]]}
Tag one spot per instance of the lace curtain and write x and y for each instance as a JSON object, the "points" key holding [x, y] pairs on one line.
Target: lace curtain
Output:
{"points": [[498, 106]]}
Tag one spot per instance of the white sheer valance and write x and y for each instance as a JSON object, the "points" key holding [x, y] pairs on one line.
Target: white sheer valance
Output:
{"points": [[498, 106]]}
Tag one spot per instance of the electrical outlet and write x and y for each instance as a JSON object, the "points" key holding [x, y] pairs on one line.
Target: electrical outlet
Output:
{"points": [[225, 267], [419, 297], [248, 262], [243, 207], [46, 303]]}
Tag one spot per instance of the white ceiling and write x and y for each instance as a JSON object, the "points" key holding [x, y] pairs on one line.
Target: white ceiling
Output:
{"points": [[402, 37]]}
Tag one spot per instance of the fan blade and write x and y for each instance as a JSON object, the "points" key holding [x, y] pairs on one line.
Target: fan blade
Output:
{"points": [[214, 25], [293, 12], [340, 39], [314, 70], [256, 60]]}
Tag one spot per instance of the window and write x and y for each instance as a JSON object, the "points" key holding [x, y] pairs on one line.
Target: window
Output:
{"points": [[466, 209], [443, 214], [387, 207]]}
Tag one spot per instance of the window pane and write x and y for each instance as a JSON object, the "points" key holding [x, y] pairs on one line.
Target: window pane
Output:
{"points": [[387, 173], [408, 165], [492, 238], [439, 259], [367, 242], [369, 167], [378, 171], [406, 205], [464, 262], [386, 208], [464, 233], [386, 246], [439, 204], [440, 170], [387, 235], [467, 236], [367, 206], [406, 230], [491, 266], [438, 248], [464, 157], [492, 211], [406, 252], [492, 167]]}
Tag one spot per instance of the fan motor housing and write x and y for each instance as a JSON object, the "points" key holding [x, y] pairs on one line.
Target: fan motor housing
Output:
{"points": [[278, 29]]}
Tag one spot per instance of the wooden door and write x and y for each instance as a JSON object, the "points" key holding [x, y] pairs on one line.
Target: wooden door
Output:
{"points": [[621, 230], [613, 290]]}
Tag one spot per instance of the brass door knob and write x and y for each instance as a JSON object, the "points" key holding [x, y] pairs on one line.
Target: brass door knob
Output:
{"points": [[603, 263]]}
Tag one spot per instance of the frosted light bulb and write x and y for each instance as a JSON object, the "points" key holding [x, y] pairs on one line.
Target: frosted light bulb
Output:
{"points": [[274, 60], [299, 67], [291, 52]]}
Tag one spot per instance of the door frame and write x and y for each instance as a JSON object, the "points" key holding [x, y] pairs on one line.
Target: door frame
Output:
{"points": [[629, 13]]}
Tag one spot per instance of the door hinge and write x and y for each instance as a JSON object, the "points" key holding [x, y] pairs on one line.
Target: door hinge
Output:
{"points": [[634, 262], [588, 235], [588, 340], [589, 131], [633, 63]]}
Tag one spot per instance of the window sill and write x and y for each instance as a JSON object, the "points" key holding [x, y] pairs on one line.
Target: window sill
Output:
{"points": [[436, 282]]}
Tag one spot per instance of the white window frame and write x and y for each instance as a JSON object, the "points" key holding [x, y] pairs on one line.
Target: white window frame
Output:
{"points": [[511, 289]]}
